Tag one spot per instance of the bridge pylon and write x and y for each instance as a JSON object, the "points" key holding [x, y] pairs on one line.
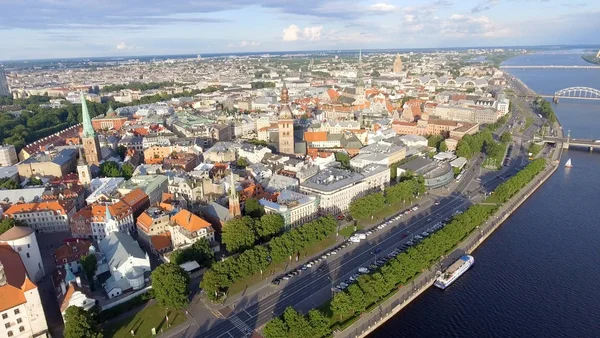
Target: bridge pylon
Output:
{"points": [[566, 144]]}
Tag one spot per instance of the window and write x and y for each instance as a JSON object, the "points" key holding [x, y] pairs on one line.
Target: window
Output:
{"points": [[28, 255], [17, 311], [28, 246], [19, 249], [19, 320], [4, 315], [7, 325], [21, 328], [10, 334]]}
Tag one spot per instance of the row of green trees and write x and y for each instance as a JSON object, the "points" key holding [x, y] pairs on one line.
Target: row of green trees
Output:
{"points": [[262, 84], [545, 109], [243, 233], [470, 145], [294, 325], [400, 270], [507, 189], [137, 86], [223, 274], [405, 191]]}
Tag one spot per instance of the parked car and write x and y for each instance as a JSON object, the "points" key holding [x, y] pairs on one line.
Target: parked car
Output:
{"points": [[363, 270]]}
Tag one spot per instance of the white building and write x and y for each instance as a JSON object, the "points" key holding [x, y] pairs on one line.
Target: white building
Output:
{"points": [[252, 153], [23, 241], [21, 311], [336, 188], [295, 208], [49, 216], [8, 156], [126, 262], [187, 228]]}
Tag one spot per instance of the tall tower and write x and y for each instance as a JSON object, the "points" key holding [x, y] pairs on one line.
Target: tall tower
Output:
{"points": [[360, 83], [234, 200], [91, 145], [397, 64], [285, 123], [83, 170]]}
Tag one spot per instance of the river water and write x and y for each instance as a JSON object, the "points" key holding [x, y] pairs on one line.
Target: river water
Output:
{"points": [[538, 275]]}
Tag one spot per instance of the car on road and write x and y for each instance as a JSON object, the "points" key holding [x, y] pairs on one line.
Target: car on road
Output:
{"points": [[363, 270], [404, 235], [437, 203], [334, 289]]}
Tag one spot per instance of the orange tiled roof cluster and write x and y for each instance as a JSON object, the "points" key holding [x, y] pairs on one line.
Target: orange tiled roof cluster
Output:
{"points": [[62, 207], [13, 292], [189, 221]]}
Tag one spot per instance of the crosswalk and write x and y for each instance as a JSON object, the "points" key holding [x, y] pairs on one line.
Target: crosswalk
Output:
{"points": [[243, 327]]}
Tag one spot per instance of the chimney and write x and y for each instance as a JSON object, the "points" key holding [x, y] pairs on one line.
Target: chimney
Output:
{"points": [[78, 280], [2, 275]]}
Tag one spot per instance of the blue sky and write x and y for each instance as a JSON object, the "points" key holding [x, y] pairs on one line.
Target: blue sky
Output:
{"points": [[42, 29]]}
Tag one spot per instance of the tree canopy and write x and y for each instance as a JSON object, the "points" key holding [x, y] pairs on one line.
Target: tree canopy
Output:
{"points": [[238, 234], [170, 285], [8, 183], [293, 324], [80, 323], [200, 251], [253, 208], [89, 264], [223, 274], [9, 222]]}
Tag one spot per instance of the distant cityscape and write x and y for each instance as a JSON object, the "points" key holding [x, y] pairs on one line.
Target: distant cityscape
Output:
{"points": [[140, 162]]}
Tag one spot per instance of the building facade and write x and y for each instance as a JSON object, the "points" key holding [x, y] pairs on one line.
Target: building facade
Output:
{"points": [[48, 216], [23, 241], [8, 155], [285, 124]]}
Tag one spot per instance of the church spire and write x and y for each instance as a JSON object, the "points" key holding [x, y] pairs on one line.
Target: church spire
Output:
{"points": [[359, 73], [285, 97], [88, 130], [234, 200]]}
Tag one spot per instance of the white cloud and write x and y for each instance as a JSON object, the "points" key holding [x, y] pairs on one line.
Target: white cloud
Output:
{"points": [[125, 46], [460, 25], [382, 7], [247, 43], [291, 33], [294, 33]]}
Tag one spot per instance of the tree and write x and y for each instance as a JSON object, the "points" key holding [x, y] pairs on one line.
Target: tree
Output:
{"points": [[80, 323], [170, 285], [242, 162], [506, 137], [238, 234], [375, 74], [343, 158], [463, 150], [276, 328], [341, 305], [89, 264], [443, 146], [200, 251], [7, 183], [253, 208], [122, 150], [269, 225], [319, 323], [127, 170], [8, 222], [359, 302], [297, 324], [110, 169]]}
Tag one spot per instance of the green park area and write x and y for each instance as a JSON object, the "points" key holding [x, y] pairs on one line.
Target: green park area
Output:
{"points": [[142, 323]]}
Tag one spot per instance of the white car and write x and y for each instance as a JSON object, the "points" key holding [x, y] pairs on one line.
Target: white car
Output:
{"points": [[363, 270], [361, 236], [354, 239]]}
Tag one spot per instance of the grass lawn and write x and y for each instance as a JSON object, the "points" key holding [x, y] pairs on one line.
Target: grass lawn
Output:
{"points": [[492, 199], [496, 162], [348, 230], [153, 316], [273, 270], [528, 123]]}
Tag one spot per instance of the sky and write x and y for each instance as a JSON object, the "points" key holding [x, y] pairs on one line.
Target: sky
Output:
{"points": [[42, 29]]}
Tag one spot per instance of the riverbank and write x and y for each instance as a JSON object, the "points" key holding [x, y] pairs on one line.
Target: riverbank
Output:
{"points": [[590, 58], [386, 310]]}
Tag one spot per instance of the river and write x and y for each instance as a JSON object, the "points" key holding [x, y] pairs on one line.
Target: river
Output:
{"points": [[538, 274]]}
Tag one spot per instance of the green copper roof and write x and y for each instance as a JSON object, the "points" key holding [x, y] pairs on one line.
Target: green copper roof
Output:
{"points": [[88, 130]]}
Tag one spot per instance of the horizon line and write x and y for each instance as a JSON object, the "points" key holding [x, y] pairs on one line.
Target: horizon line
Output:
{"points": [[307, 51]]}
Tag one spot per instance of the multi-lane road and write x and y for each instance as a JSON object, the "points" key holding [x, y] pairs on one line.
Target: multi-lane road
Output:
{"points": [[313, 286]]}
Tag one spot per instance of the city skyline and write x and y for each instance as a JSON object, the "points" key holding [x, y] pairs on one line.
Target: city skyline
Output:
{"points": [[59, 29]]}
